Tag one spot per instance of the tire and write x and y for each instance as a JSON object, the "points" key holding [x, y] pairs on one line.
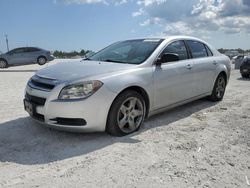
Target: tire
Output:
{"points": [[126, 114], [245, 76], [219, 88], [41, 60], [3, 64]]}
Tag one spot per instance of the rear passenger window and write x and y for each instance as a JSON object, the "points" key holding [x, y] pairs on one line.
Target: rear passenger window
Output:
{"points": [[32, 49], [198, 49], [178, 48]]}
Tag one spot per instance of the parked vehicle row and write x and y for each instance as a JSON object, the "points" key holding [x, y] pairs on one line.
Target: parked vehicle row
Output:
{"points": [[115, 89], [25, 55]]}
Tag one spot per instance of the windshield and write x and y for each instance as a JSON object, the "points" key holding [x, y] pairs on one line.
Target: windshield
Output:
{"points": [[130, 51]]}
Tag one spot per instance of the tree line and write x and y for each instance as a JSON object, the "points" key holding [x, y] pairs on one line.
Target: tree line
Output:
{"points": [[72, 54]]}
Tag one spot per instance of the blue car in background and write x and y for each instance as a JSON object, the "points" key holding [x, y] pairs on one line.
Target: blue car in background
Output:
{"points": [[25, 55]]}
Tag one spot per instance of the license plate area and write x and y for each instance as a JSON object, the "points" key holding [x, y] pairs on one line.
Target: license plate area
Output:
{"points": [[29, 107]]}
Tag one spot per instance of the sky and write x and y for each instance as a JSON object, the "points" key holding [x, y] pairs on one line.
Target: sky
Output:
{"points": [[93, 24]]}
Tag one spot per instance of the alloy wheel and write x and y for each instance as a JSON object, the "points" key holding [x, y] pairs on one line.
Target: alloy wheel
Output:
{"points": [[220, 89], [41, 60], [130, 115]]}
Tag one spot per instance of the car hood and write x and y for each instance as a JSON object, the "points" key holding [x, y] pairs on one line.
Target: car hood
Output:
{"points": [[80, 69]]}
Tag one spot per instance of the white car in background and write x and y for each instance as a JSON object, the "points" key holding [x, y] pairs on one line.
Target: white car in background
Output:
{"points": [[115, 89]]}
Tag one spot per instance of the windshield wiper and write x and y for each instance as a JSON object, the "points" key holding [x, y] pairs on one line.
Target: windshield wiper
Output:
{"points": [[114, 61], [84, 59]]}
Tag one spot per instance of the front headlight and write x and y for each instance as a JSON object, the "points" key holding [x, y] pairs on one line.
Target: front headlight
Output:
{"points": [[80, 90]]}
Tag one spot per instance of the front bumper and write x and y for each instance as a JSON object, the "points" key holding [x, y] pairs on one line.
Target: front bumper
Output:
{"points": [[85, 115]]}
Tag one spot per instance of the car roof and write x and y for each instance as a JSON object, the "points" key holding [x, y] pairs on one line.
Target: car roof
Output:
{"points": [[27, 47], [183, 37], [174, 37]]}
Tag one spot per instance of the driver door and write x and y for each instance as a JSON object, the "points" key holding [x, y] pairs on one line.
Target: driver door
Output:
{"points": [[17, 56], [173, 81]]}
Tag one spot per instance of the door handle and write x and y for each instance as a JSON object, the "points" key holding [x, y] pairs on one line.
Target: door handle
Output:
{"points": [[215, 63], [189, 66]]}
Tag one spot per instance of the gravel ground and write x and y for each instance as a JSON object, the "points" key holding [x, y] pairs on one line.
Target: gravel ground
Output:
{"points": [[201, 144]]}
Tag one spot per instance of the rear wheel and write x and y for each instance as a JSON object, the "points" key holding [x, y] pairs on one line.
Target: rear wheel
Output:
{"points": [[3, 64], [127, 113], [219, 88], [41, 60]]}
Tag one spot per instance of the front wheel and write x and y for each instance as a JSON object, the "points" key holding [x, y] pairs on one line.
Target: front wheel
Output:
{"points": [[219, 88], [127, 113], [41, 60]]}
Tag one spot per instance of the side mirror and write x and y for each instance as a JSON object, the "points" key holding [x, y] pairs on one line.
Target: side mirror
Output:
{"points": [[167, 57]]}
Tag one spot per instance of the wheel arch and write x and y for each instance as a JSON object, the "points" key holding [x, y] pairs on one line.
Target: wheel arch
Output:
{"points": [[224, 74], [139, 90], [213, 97], [222, 69], [2, 58], [143, 93]]}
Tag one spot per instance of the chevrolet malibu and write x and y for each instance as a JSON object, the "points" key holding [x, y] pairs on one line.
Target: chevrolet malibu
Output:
{"points": [[115, 89]]}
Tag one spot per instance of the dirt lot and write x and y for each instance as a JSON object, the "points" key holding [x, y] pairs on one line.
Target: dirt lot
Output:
{"points": [[201, 144]]}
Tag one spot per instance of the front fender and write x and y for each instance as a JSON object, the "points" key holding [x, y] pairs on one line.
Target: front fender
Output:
{"points": [[141, 77]]}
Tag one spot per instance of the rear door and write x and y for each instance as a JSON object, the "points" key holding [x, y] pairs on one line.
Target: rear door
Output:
{"points": [[204, 65], [173, 81], [32, 54]]}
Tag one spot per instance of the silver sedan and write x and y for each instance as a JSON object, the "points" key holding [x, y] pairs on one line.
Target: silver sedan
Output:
{"points": [[115, 89], [25, 55]]}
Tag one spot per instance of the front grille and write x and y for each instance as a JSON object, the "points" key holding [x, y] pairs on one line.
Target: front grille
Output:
{"points": [[36, 100], [40, 83]]}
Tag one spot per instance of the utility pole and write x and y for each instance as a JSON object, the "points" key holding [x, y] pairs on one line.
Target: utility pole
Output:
{"points": [[7, 42]]}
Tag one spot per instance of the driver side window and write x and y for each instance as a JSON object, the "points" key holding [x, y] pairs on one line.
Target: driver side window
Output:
{"points": [[177, 47]]}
